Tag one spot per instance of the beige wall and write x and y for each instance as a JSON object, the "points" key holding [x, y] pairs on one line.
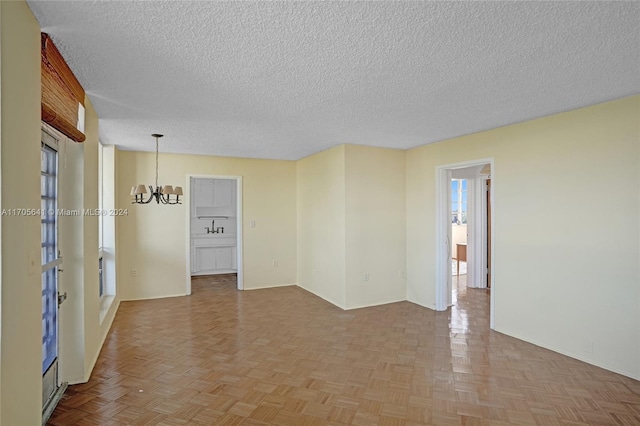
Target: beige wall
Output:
{"points": [[21, 329], [563, 287], [95, 330], [90, 240], [153, 238], [81, 331], [351, 222], [375, 225], [321, 225], [71, 245]]}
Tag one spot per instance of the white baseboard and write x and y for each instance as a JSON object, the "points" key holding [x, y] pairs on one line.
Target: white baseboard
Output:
{"points": [[369, 305], [270, 286], [321, 297], [152, 298]]}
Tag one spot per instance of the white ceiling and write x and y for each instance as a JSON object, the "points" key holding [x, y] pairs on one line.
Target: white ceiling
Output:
{"points": [[287, 79]]}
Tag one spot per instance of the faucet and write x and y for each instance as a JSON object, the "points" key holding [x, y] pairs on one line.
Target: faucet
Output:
{"points": [[213, 229]]}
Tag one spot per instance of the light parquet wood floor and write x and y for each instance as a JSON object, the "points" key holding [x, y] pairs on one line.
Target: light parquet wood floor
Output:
{"points": [[283, 356]]}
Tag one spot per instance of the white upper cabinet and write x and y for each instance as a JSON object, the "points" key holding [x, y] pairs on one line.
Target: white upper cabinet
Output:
{"points": [[223, 197], [215, 197], [204, 193]]}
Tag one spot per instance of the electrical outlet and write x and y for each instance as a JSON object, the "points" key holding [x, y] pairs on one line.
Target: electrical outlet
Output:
{"points": [[366, 276], [134, 272], [275, 263]]}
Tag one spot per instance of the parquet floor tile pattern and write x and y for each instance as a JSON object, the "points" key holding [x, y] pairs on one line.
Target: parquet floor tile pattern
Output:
{"points": [[283, 356]]}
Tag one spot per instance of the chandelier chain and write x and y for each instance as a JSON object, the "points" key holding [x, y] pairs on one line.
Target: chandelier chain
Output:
{"points": [[156, 161]]}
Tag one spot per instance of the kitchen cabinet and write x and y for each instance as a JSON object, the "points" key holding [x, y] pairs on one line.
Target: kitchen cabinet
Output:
{"points": [[214, 260], [214, 197], [213, 255], [204, 193], [223, 195]]}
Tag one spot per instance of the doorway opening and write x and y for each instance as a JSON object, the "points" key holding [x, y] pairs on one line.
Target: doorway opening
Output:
{"points": [[463, 230], [459, 210], [214, 227]]}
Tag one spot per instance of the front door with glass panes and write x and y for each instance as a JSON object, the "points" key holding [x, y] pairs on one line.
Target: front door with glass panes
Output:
{"points": [[51, 263]]}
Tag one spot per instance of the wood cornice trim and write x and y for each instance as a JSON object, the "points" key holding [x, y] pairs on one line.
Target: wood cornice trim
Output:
{"points": [[51, 117]]}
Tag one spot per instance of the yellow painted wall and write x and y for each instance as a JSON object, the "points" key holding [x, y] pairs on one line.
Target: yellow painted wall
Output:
{"points": [[71, 245], [375, 225], [351, 222], [558, 286], [21, 329], [322, 224], [94, 330], [81, 332], [90, 238], [153, 238]]}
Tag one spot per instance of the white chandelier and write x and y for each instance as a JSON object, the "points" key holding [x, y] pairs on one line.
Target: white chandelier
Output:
{"points": [[166, 194]]}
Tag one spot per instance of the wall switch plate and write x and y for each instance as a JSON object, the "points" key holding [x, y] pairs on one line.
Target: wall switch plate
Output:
{"points": [[275, 263], [134, 272], [366, 276], [252, 224]]}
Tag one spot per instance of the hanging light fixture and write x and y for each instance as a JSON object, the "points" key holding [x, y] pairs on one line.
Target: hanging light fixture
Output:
{"points": [[163, 194]]}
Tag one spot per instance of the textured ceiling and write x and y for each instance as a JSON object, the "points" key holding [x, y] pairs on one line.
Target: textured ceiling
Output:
{"points": [[288, 79]]}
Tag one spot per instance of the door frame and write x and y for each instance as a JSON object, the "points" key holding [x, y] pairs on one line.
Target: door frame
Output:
{"points": [[443, 232], [53, 139], [239, 251]]}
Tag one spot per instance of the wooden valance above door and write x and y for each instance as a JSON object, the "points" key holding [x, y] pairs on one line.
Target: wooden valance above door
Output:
{"points": [[62, 93]]}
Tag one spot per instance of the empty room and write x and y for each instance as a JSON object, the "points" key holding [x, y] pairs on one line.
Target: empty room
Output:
{"points": [[319, 213]]}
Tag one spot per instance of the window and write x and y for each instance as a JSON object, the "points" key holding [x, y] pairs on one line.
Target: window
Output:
{"points": [[459, 201], [49, 234], [107, 226]]}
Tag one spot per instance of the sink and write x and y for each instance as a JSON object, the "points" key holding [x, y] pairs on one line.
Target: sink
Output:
{"points": [[213, 240], [205, 235]]}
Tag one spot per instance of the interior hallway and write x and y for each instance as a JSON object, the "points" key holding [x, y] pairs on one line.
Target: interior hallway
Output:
{"points": [[284, 356]]}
